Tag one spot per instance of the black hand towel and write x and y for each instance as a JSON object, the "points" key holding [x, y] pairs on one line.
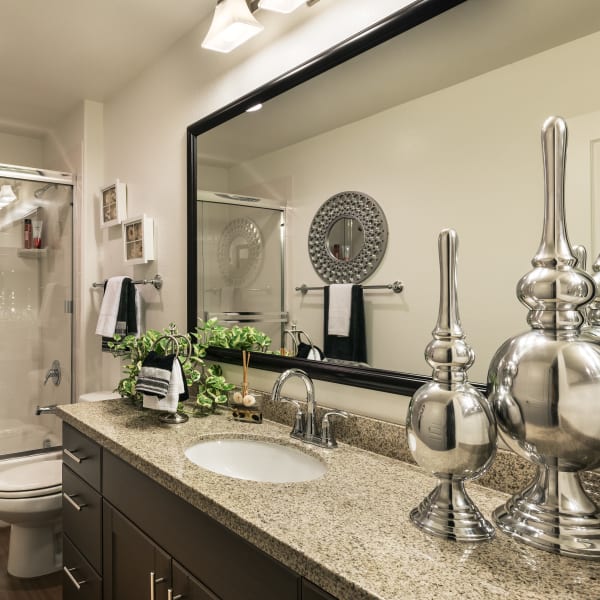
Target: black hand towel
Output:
{"points": [[126, 315], [353, 347]]}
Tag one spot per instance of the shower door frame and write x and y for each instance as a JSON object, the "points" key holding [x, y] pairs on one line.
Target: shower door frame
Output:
{"points": [[22, 173]]}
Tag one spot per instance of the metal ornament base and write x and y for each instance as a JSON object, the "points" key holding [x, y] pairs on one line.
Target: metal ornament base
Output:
{"points": [[554, 514], [175, 418], [448, 512]]}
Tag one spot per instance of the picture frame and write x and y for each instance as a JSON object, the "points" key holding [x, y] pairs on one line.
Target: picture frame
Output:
{"points": [[113, 204], [138, 239]]}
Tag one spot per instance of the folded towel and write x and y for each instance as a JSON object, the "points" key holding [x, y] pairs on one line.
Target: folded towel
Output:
{"points": [[109, 309], [340, 306], [352, 347], [162, 382], [155, 374]]}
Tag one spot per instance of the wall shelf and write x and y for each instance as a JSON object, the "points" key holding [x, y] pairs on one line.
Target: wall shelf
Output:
{"points": [[32, 252]]}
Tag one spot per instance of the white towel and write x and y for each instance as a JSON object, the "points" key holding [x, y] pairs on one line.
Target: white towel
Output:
{"points": [[139, 313], [340, 309], [176, 388], [107, 320]]}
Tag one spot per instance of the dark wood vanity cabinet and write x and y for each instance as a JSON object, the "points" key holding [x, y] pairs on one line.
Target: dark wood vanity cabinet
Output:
{"points": [[127, 537], [136, 567]]}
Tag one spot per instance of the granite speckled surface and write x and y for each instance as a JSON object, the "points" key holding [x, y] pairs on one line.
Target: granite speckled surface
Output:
{"points": [[348, 531]]}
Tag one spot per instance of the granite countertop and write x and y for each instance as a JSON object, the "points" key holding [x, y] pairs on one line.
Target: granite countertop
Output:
{"points": [[348, 531]]}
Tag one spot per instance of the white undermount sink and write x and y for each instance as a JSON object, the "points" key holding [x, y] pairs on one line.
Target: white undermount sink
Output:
{"points": [[255, 460]]}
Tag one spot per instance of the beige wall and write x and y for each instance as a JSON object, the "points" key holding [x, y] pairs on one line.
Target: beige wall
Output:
{"points": [[21, 149]]}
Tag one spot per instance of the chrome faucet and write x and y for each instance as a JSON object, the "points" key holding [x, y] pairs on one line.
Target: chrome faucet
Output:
{"points": [[305, 427], [53, 373], [45, 410]]}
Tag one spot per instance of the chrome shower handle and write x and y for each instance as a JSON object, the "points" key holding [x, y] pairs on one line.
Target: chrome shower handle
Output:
{"points": [[53, 373]]}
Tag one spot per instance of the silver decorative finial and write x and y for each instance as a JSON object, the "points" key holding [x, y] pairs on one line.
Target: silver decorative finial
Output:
{"points": [[450, 428], [544, 385]]}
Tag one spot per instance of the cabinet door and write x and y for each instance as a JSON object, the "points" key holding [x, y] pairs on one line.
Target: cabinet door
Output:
{"points": [[188, 587], [135, 568], [311, 592]]}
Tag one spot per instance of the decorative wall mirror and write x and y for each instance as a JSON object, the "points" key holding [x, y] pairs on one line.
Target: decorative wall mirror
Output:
{"points": [[443, 131], [347, 238]]}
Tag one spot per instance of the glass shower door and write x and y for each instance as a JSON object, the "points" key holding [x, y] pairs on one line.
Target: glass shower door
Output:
{"points": [[241, 266], [36, 233]]}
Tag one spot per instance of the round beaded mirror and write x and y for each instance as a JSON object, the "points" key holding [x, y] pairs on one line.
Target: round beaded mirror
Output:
{"points": [[347, 238]]}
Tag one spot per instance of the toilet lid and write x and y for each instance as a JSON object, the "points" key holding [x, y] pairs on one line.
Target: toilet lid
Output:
{"points": [[32, 479]]}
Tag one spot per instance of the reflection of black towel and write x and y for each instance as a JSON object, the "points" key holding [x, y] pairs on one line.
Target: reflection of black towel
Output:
{"points": [[353, 347], [126, 315]]}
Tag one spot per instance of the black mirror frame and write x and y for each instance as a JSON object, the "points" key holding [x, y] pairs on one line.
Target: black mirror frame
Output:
{"points": [[375, 379]]}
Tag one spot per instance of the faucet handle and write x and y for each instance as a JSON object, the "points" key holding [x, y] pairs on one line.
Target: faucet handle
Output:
{"points": [[327, 433], [299, 421]]}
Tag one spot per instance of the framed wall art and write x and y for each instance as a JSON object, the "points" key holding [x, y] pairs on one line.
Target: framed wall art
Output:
{"points": [[138, 239], [113, 204]]}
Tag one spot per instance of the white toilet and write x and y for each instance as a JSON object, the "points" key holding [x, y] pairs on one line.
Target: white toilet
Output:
{"points": [[31, 502]]}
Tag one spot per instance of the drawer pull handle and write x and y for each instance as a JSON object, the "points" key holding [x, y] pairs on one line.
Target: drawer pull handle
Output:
{"points": [[69, 499], [171, 597], [74, 581], [153, 582], [72, 456]]}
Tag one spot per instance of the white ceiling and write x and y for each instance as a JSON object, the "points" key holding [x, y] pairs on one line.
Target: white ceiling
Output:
{"points": [[58, 52]]}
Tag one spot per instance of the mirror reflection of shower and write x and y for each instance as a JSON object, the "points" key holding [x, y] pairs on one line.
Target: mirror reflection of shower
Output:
{"points": [[241, 262]]}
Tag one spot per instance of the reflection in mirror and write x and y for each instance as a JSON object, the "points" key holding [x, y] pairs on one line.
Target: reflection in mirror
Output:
{"points": [[241, 262], [443, 130], [345, 238]]}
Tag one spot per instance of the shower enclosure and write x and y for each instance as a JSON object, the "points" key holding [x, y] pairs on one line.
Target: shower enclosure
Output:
{"points": [[36, 233]]}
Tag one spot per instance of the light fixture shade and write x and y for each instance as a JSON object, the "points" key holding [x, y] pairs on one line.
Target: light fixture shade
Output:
{"points": [[282, 6], [6, 195], [232, 25]]}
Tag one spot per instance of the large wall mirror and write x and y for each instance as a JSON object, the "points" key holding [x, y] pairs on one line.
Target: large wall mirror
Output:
{"points": [[435, 113]]}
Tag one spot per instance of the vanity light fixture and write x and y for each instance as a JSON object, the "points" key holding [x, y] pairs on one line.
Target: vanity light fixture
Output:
{"points": [[6, 195], [281, 6], [232, 25], [233, 22]]}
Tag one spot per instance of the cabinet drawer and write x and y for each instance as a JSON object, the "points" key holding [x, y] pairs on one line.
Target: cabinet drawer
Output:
{"points": [[82, 517], [82, 455], [80, 581]]}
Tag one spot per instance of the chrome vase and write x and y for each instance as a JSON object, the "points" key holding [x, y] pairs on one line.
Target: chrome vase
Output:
{"points": [[544, 385], [450, 427]]}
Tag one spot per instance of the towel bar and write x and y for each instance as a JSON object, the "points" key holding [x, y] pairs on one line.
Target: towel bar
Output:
{"points": [[396, 287], [157, 282]]}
